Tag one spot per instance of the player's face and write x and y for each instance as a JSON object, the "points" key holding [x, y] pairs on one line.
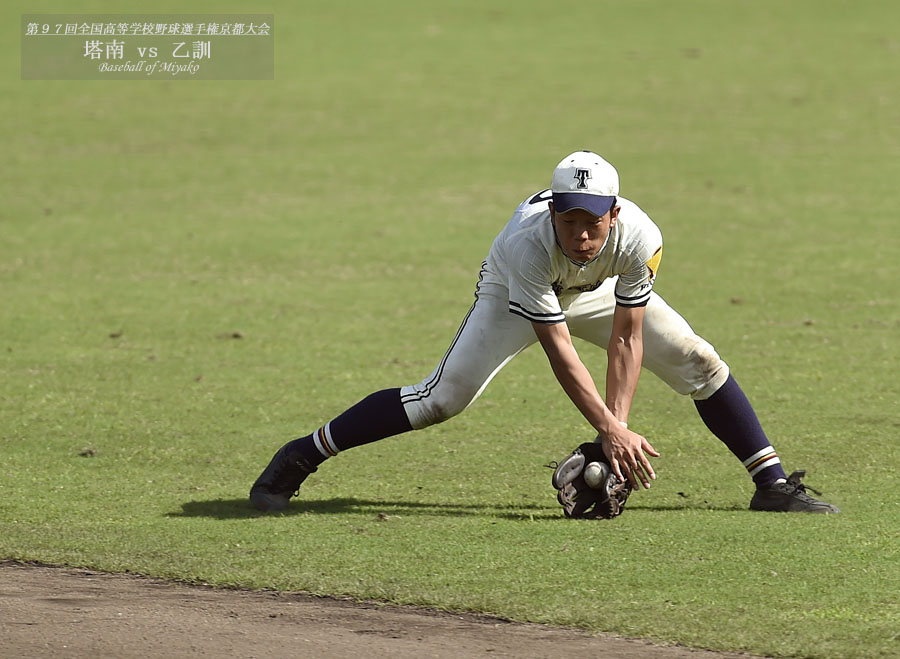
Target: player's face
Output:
{"points": [[582, 234]]}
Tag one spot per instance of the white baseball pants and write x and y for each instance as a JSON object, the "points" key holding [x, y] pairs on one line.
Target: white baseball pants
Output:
{"points": [[490, 336]]}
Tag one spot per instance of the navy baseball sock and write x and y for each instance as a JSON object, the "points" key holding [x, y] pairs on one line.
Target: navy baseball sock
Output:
{"points": [[375, 417], [730, 417]]}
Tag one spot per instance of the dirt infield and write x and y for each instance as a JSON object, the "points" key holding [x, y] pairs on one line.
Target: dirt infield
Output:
{"points": [[61, 612]]}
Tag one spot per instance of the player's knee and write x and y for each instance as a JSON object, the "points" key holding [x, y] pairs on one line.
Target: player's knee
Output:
{"points": [[439, 404], [705, 359], [440, 411], [709, 370], [448, 402]]}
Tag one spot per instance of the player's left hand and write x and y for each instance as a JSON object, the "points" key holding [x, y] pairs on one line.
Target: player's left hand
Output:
{"points": [[604, 498]]}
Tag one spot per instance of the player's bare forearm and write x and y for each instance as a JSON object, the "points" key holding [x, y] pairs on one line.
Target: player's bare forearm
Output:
{"points": [[625, 449], [625, 354], [621, 378], [573, 375]]}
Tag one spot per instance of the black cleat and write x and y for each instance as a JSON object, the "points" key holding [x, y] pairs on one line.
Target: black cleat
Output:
{"points": [[280, 480], [790, 497]]}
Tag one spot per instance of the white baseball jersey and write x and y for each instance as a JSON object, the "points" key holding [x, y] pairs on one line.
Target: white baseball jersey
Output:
{"points": [[527, 273], [542, 281]]}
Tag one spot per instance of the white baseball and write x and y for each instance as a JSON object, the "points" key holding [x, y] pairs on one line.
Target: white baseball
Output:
{"points": [[595, 474]]}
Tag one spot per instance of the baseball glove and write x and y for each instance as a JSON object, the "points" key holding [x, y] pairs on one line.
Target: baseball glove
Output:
{"points": [[582, 501]]}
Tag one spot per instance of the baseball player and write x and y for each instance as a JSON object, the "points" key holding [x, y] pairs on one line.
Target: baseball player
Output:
{"points": [[575, 260]]}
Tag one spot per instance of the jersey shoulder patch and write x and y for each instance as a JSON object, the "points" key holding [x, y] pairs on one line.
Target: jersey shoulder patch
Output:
{"points": [[653, 263]]}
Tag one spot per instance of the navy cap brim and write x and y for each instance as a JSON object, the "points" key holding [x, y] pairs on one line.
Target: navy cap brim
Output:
{"points": [[563, 202]]}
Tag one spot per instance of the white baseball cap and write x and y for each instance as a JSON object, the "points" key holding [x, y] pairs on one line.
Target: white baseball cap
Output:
{"points": [[584, 180]]}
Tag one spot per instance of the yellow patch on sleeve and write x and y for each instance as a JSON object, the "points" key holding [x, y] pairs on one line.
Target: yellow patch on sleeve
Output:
{"points": [[653, 263]]}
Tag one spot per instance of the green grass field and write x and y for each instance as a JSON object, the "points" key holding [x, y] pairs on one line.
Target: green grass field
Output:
{"points": [[194, 272]]}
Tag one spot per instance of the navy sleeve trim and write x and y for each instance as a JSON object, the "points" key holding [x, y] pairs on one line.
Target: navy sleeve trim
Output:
{"points": [[536, 317], [634, 300], [625, 298], [631, 305]]}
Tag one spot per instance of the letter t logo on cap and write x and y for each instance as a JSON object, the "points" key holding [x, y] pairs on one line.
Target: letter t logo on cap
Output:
{"points": [[582, 175]]}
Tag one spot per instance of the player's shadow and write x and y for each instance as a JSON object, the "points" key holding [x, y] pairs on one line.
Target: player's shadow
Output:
{"points": [[241, 509], [665, 508]]}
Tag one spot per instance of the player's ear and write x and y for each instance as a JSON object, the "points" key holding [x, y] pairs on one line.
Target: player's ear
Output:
{"points": [[614, 215], [552, 212]]}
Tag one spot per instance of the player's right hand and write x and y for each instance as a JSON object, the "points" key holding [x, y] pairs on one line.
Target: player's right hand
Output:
{"points": [[627, 452]]}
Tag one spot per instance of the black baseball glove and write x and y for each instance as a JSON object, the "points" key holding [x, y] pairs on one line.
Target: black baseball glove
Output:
{"points": [[582, 501]]}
